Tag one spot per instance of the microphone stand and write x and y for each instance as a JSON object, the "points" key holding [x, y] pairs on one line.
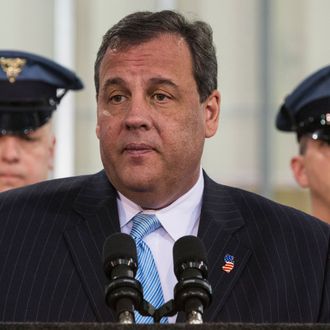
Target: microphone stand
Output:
{"points": [[124, 295], [192, 296]]}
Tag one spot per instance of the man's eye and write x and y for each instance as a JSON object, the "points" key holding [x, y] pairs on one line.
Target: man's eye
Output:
{"points": [[117, 98], [160, 97]]}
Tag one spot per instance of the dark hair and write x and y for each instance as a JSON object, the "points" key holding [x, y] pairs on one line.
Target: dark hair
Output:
{"points": [[140, 27]]}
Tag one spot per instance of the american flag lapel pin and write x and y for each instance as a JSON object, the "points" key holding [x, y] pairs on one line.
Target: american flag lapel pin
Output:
{"points": [[229, 263]]}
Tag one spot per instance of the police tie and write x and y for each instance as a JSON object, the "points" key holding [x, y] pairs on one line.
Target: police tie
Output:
{"points": [[144, 224]]}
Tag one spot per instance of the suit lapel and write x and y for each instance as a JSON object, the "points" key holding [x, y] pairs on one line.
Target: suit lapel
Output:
{"points": [[219, 230], [96, 204]]}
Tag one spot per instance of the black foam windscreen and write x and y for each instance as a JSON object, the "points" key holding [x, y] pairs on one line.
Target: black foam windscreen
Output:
{"points": [[188, 249], [118, 246]]}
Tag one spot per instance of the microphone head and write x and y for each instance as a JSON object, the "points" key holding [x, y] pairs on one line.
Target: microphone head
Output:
{"points": [[117, 247], [189, 250]]}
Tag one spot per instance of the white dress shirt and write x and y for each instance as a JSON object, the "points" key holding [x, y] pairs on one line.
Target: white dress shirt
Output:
{"points": [[179, 219]]}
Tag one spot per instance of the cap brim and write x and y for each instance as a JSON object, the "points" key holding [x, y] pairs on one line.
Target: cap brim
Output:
{"points": [[22, 122], [283, 120]]}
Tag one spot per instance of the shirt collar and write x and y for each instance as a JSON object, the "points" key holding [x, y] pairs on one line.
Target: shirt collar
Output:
{"points": [[178, 219]]}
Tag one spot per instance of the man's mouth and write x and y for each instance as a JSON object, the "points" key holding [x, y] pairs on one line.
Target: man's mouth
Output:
{"points": [[11, 179], [137, 148]]}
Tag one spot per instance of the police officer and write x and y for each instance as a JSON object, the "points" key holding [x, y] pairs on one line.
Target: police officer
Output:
{"points": [[31, 87], [306, 111]]}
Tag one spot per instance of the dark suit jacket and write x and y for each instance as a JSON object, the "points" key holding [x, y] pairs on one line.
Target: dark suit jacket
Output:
{"points": [[52, 236]]}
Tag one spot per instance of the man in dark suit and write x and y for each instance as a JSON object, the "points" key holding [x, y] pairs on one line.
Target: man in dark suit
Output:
{"points": [[157, 101]]}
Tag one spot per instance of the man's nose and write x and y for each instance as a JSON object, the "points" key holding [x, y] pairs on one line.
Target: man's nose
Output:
{"points": [[9, 149], [139, 114]]}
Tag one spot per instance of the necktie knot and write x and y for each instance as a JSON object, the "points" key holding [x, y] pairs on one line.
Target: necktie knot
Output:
{"points": [[144, 224]]}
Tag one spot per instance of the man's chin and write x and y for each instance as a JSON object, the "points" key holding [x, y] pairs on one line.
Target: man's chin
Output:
{"points": [[6, 187], [139, 187], [136, 188], [134, 180], [10, 184]]}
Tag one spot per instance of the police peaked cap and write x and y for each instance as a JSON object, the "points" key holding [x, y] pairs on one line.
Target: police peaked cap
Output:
{"points": [[31, 87], [307, 109]]}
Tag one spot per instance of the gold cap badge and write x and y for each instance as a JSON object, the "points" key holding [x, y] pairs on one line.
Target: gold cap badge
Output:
{"points": [[12, 67]]}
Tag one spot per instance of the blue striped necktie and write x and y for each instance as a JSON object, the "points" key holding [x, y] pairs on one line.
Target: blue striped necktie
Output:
{"points": [[147, 274]]}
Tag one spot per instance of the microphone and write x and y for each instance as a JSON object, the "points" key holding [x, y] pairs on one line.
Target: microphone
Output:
{"points": [[192, 293], [124, 292]]}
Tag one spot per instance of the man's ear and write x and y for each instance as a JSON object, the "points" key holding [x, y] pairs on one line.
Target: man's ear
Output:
{"points": [[212, 113], [299, 171]]}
